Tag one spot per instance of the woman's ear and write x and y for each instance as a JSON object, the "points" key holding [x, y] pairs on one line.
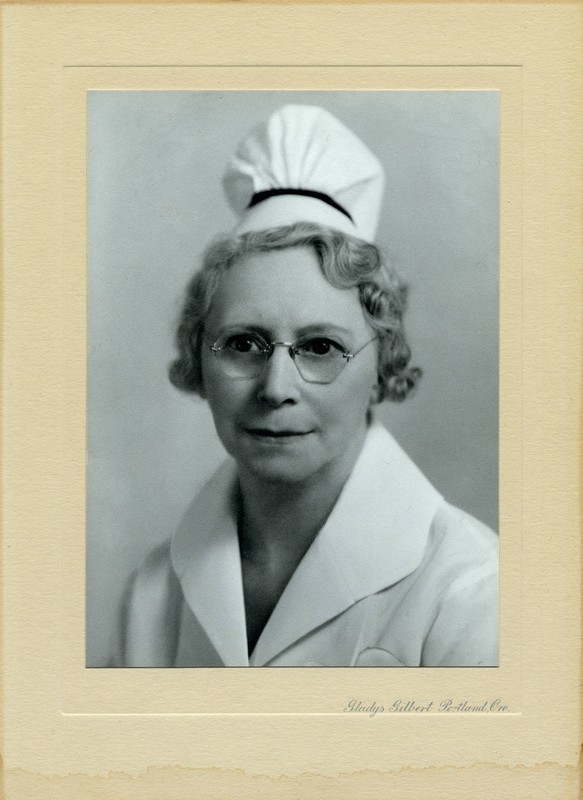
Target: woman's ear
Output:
{"points": [[375, 396]]}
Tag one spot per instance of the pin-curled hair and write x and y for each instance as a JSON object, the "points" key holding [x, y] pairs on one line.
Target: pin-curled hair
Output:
{"points": [[346, 262]]}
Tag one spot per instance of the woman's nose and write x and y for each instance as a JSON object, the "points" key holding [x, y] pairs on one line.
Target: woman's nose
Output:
{"points": [[279, 379]]}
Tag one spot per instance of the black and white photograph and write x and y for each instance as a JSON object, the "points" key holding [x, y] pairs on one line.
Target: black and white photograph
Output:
{"points": [[293, 359]]}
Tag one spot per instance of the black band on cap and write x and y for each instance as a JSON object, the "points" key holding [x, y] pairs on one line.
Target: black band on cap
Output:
{"points": [[259, 197]]}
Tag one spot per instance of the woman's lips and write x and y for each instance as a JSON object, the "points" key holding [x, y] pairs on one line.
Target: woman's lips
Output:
{"points": [[268, 433]]}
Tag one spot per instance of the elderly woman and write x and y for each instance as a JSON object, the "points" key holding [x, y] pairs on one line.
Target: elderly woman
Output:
{"points": [[319, 543]]}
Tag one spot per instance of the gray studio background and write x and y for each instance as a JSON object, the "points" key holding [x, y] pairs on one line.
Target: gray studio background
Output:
{"points": [[154, 199]]}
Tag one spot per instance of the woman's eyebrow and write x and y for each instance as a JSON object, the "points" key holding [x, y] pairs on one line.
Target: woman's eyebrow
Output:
{"points": [[267, 333], [244, 327], [324, 327]]}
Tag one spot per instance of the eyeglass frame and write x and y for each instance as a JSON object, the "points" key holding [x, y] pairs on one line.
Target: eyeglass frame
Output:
{"points": [[292, 353]]}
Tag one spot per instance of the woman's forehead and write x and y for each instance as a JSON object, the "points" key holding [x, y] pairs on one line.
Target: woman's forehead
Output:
{"points": [[283, 286]]}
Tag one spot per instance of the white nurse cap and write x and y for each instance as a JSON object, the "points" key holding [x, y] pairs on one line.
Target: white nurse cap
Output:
{"points": [[305, 165]]}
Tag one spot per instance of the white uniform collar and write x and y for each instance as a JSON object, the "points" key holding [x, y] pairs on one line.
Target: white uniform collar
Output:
{"points": [[375, 536]]}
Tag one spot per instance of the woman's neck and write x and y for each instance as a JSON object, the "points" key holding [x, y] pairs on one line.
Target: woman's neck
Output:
{"points": [[274, 522]]}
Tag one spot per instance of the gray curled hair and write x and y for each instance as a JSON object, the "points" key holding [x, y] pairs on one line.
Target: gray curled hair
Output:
{"points": [[346, 262]]}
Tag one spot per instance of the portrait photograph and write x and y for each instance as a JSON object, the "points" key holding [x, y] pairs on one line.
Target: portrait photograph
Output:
{"points": [[292, 430], [291, 350]]}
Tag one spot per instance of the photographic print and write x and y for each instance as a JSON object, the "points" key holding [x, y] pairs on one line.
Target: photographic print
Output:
{"points": [[292, 379]]}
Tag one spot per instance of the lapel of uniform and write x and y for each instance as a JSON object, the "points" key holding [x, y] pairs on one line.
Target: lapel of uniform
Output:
{"points": [[374, 537], [205, 557]]}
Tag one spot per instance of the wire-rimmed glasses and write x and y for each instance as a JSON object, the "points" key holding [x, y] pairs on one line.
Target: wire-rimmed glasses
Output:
{"points": [[318, 359]]}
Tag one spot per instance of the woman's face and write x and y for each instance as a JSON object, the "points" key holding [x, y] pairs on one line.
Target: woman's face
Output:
{"points": [[277, 426]]}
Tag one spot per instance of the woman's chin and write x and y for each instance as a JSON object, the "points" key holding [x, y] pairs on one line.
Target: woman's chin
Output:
{"points": [[278, 469], [274, 463]]}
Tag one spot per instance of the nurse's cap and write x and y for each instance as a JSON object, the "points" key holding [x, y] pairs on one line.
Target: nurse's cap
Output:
{"points": [[303, 165]]}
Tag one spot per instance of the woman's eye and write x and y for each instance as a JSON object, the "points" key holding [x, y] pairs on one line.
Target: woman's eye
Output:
{"points": [[320, 346], [244, 343]]}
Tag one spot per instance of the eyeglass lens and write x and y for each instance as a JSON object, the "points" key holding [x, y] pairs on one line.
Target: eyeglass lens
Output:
{"points": [[318, 360]]}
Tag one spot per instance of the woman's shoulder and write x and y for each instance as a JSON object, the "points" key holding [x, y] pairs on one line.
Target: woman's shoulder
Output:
{"points": [[457, 525], [461, 545], [156, 566], [462, 567], [153, 585], [150, 611], [454, 524]]}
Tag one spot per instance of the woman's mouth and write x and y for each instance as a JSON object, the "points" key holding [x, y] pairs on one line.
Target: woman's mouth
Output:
{"points": [[276, 435]]}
